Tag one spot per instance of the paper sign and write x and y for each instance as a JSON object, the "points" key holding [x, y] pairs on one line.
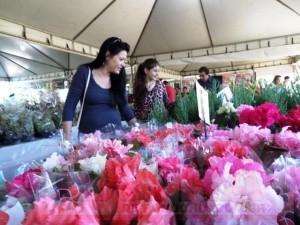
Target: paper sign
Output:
{"points": [[203, 103]]}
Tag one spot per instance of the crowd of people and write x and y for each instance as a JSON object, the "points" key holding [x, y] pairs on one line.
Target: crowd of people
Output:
{"points": [[100, 86]]}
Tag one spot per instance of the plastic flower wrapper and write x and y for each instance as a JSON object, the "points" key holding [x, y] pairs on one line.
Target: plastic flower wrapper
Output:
{"points": [[113, 148], [244, 199], [12, 212], [180, 130], [138, 137], [232, 164], [43, 124], [92, 141], [150, 165], [94, 164], [150, 213], [252, 136], [283, 162], [289, 141], [70, 184], [21, 185], [54, 162]]}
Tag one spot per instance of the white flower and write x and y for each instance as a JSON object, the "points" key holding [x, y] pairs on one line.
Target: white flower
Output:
{"points": [[55, 161], [94, 164]]}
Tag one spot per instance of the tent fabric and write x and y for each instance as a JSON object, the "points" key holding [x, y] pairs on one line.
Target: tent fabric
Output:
{"points": [[154, 27]]}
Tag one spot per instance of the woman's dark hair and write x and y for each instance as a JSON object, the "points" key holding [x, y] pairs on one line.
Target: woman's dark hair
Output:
{"points": [[276, 78], [113, 45], [139, 85]]}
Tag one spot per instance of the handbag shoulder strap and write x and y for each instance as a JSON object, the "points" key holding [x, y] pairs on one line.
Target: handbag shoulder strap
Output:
{"points": [[83, 100]]}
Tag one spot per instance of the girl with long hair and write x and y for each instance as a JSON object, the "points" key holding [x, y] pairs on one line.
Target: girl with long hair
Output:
{"points": [[148, 90]]}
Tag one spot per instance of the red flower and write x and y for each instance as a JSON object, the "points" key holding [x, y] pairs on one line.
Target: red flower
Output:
{"points": [[292, 119], [119, 172], [147, 185], [4, 217], [107, 201], [226, 147], [263, 115]]}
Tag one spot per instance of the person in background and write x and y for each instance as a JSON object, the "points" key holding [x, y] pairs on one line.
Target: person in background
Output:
{"points": [[148, 90], [185, 91], [277, 80], [106, 91], [171, 92], [206, 81], [286, 81]]}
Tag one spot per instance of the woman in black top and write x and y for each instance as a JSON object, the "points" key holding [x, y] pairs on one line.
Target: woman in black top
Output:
{"points": [[106, 95]]}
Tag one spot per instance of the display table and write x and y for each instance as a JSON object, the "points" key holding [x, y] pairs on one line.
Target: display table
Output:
{"points": [[12, 157]]}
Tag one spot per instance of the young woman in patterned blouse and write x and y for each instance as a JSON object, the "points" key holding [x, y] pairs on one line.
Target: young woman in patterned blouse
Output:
{"points": [[148, 90]]}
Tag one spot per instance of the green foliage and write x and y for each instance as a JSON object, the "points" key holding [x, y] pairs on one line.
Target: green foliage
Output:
{"points": [[242, 95], [159, 113], [294, 96], [214, 101], [181, 109], [277, 95]]}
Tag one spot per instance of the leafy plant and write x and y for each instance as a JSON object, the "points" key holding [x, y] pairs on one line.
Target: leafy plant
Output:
{"points": [[277, 95], [242, 95], [159, 113]]}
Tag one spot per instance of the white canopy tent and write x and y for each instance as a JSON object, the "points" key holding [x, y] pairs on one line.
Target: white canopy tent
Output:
{"points": [[182, 34]]}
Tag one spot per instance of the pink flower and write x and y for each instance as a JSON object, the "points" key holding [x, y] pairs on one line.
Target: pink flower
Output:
{"points": [[288, 179], [168, 165], [150, 213], [214, 174], [252, 136], [114, 148], [22, 185], [244, 199], [179, 177], [91, 141], [197, 212], [288, 140]]}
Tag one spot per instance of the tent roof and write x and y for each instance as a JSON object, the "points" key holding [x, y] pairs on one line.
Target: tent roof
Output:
{"points": [[154, 27]]}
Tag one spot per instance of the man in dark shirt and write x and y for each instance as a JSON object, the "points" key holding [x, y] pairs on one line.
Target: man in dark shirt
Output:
{"points": [[206, 81]]}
